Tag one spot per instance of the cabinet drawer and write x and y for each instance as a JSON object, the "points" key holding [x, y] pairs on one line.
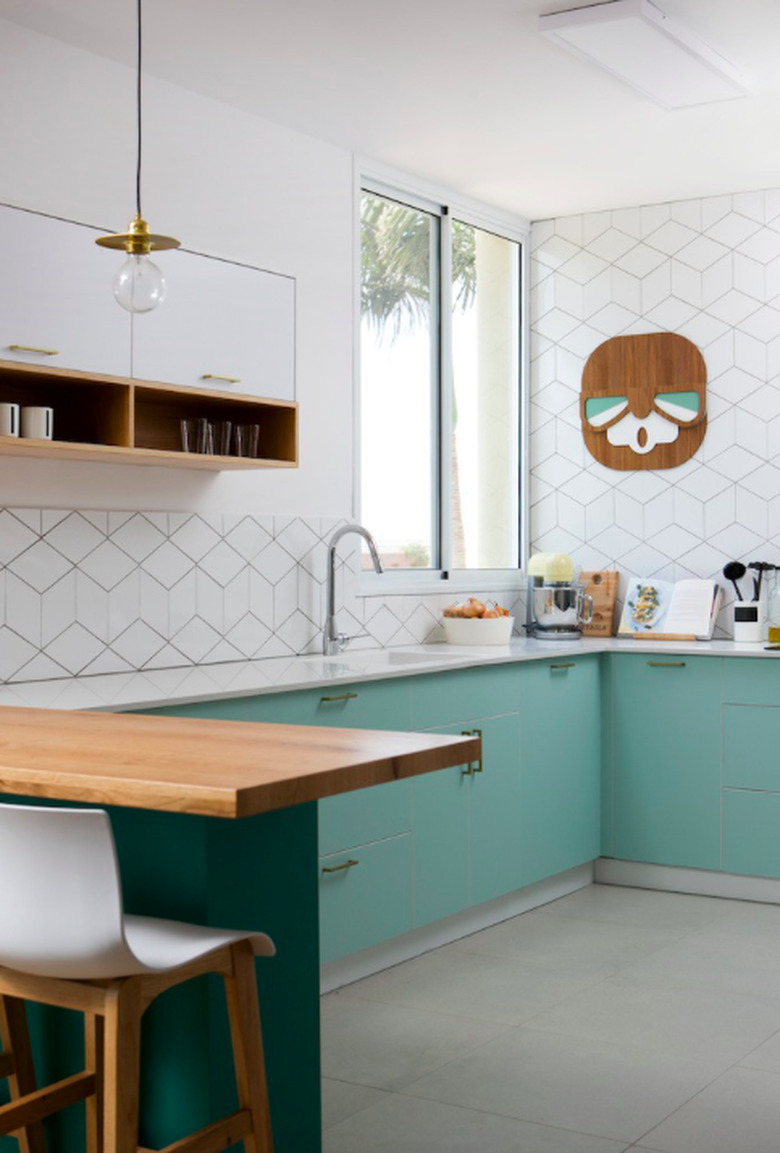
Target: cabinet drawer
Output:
{"points": [[751, 741], [751, 682], [447, 698], [368, 902], [364, 815], [751, 833], [375, 705]]}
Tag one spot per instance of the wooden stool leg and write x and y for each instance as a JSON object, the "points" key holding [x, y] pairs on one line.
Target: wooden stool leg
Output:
{"points": [[16, 1038], [121, 1066], [244, 1013], [94, 1058]]}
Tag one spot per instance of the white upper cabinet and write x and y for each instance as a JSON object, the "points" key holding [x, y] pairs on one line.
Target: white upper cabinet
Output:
{"points": [[221, 326], [57, 306]]}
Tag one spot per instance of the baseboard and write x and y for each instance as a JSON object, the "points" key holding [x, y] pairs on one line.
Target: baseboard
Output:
{"points": [[343, 972], [673, 879]]}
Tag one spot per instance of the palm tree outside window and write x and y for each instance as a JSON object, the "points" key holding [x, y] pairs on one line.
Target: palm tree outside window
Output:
{"points": [[439, 388]]}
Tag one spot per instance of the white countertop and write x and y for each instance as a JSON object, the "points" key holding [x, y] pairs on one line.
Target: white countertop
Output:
{"points": [[118, 692]]}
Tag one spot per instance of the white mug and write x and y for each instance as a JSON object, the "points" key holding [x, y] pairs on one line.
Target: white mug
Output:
{"points": [[9, 419], [38, 422]]}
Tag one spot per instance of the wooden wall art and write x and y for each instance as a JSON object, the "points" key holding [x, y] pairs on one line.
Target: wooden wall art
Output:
{"points": [[643, 401]]}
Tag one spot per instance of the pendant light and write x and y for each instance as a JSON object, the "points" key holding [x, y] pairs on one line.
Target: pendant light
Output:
{"points": [[139, 285]]}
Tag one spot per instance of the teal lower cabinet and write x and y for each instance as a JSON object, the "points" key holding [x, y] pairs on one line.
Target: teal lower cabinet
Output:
{"points": [[666, 771], [751, 771], [365, 896], [751, 833], [465, 821], [559, 808]]}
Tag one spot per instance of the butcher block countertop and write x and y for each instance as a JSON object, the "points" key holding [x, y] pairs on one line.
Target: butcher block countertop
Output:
{"points": [[211, 768]]}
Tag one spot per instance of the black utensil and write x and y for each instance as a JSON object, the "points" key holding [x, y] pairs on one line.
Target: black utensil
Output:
{"points": [[734, 571], [759, 567]]}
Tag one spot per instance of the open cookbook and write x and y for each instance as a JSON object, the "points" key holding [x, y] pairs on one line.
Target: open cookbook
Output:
{"points": [[682, 609]]}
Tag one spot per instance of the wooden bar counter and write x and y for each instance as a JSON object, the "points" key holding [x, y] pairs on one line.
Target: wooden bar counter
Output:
{"points": [[215, 823]]}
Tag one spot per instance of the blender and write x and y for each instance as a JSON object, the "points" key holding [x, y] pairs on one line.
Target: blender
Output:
{"points": [[556, 601]]}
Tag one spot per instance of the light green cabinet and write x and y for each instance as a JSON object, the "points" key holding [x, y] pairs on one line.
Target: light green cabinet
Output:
{"points": [[666, 751], [559, 824]]}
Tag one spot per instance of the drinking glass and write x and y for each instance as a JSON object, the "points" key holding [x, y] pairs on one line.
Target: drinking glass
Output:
{"points": [[247, 439]]}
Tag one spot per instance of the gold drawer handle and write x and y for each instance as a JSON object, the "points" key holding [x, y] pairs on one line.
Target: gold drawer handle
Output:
{"points": [[563, 668], [343, 697], [666, 664], [339, 868], [224, 379], [32, 348], [474, 766]]}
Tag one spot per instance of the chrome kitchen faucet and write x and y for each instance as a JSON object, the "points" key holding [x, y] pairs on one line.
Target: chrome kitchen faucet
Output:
{"points": [[333, 641]]}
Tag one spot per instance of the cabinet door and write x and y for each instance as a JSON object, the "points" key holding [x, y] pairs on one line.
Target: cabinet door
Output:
{"points": [[365, 896], [223, 326], [466, 824], [667, 787], [56, 296], [560, 824]]}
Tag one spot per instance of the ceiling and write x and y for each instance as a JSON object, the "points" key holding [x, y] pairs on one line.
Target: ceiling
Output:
{"points": [[467, 95]]}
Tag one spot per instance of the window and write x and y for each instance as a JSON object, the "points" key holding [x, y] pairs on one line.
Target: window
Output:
{"points": [[439, 388]]}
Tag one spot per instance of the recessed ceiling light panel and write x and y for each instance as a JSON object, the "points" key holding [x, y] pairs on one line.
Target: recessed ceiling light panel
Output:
{"points": [[642, 46]]}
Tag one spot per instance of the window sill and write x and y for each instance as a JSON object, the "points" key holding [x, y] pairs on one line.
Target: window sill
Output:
{"points": [[408, 583]]}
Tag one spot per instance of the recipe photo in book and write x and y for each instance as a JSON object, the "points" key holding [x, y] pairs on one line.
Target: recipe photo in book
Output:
{"points": [[684, 608]]}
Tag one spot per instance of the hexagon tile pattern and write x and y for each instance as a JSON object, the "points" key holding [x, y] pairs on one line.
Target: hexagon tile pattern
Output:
{"points": [[710, 270], [88, 592]]}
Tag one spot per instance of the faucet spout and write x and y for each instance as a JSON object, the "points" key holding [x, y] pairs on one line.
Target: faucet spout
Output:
{"points": [[332, 640]]}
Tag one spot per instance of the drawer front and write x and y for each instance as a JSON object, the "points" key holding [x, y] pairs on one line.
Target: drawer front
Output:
{"points": [[375, 705], [751, 743], [751, 682], [451, 697], [751, 833], [368, 902], [365, 815]]}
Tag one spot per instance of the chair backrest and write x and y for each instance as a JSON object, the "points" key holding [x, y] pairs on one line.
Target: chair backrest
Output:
{"points": [[60, 894]]}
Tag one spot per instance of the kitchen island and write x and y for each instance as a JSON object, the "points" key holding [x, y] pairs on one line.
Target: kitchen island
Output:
{"points": [[215, 823]]}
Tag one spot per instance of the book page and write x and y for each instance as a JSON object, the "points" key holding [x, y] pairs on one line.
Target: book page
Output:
{"points": [[646, 606], [691, 608]]}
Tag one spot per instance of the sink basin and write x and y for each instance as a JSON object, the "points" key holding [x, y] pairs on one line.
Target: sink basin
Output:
{"points": [[399, 657]]}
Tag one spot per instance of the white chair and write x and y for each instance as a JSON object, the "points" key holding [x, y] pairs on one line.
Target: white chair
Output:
{"points": [[65, 941]]}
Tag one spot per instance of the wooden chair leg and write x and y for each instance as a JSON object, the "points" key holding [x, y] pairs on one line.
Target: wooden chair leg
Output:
{"points": [[244, 1013], [121, 1066], [94, 1057], [16, 1039]]}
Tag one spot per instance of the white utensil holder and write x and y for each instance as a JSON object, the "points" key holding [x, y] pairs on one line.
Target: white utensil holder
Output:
{"points": [[748, 622]]}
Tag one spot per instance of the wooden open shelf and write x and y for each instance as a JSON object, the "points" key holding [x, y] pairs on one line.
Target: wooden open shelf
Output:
{"points": [[112, 418]]}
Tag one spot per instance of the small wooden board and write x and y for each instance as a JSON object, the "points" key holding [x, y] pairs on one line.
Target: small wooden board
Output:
{"points": [[602, 586]]}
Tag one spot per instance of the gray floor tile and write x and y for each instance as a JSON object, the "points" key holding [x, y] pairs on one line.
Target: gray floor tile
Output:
{"points": [[681, 1022], [570, 944], [400, 1124], [341, 1099], [615, 1091], [387, 1046], [488, 988], [739, 1113], [765, 1056], [615, 904]]}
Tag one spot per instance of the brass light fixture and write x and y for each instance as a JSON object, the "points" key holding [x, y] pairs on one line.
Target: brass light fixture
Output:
{"points": [[139, 285]]}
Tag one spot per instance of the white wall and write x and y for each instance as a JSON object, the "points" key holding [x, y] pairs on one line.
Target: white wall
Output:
{"points": [[225, 183], [710, 270]]}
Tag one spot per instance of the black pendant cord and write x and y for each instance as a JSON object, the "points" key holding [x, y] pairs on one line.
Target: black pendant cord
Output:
{"points": [[138, 103]]}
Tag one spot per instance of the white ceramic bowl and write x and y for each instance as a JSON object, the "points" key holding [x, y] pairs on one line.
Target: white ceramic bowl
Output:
{"points": [[475, 631]]}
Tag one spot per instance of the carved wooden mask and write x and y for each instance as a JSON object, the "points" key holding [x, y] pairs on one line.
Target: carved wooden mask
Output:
{"points": [[643, 401]]}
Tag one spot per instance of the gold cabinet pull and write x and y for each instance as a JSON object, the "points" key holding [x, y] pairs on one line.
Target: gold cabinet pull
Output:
{"points": [[32, 348], [474, 766], [563, 668], [666, 664], [224, 379], [342, 697], [350, 864]]}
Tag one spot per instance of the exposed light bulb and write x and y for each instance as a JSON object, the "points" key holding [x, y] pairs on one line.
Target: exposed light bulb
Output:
{"points": [[139, 285]]}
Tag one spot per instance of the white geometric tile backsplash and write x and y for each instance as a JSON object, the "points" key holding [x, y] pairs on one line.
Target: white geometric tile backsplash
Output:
{"points": [[710, 270], [97, 592]]}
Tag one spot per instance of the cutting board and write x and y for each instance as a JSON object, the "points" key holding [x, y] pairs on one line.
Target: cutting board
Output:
{"points": [[603, 587]]}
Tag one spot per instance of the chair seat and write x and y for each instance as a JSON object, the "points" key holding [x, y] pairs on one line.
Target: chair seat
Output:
{"points": [[161, 945]]}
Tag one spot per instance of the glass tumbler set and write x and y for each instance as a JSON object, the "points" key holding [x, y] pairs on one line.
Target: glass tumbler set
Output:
{"points": [[219, 437]]}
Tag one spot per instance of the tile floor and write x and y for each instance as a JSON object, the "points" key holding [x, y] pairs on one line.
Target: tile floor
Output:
{"points": [[609, 1020]]}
